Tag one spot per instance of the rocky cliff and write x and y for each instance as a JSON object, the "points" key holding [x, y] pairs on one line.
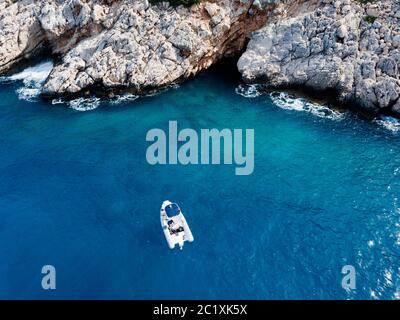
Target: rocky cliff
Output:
{"points": [[350, 47], [127, 44], [21, 35]]}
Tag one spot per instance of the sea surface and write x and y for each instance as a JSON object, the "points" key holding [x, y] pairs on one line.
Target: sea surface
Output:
{"points": [[76, 192]]}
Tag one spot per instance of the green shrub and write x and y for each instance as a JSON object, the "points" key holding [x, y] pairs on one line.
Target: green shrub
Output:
{"points": [[369, 19]]}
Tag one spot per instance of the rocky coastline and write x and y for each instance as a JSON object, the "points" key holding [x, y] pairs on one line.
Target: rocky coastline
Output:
{"points": [[349, 47]]}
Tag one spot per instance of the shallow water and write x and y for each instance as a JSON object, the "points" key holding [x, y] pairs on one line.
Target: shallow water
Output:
{"points": [[76, 192]]}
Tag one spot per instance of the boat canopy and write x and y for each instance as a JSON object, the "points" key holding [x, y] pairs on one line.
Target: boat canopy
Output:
{"points": [[172, 210]]}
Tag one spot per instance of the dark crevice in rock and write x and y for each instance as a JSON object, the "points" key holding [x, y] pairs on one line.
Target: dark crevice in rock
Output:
{"points": [[39, 53]]}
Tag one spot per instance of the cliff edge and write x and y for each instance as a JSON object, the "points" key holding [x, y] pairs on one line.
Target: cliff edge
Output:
{"points": [[125, 44], [351, 47]]}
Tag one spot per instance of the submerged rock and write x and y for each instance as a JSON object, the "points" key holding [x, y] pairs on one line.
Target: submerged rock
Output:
{"points": [[336, 45]]}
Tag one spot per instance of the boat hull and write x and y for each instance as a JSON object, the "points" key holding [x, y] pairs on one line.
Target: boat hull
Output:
{"points": [[175, 238]]}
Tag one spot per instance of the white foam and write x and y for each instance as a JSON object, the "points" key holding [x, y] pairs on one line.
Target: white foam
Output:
{"points": [[371, 243], [36, 74], [84, 104], [91, 103], [32, 79], [124, 98], [250, 90], [389, 123], [58, 101], [27, 93], [288, 101]]}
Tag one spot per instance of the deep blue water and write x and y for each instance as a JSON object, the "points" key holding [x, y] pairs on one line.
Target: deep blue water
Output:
{"points": [[76, 192]]}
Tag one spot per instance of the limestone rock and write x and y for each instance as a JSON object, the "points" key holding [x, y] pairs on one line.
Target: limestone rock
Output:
{"points": [[20, 32], [332, 46], [148, 46], [345, 46], [128, 44]]}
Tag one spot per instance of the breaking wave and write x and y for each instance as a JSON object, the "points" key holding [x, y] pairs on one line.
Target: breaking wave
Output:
{"points": [[123, 98], [288, 101], [91, 103], [250, 90], [389, 123], [84, 104], [79, 104], [32, 79]]}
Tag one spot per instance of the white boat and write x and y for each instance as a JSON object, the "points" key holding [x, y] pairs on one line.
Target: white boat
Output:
{"points": [[175, 227]]}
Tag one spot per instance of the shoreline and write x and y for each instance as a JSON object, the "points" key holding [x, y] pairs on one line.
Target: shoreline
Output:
{"points": [[321, 49], [224, 69]]}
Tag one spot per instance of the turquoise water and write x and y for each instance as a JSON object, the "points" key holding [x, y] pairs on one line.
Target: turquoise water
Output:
{"points": [[76, 192]]}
